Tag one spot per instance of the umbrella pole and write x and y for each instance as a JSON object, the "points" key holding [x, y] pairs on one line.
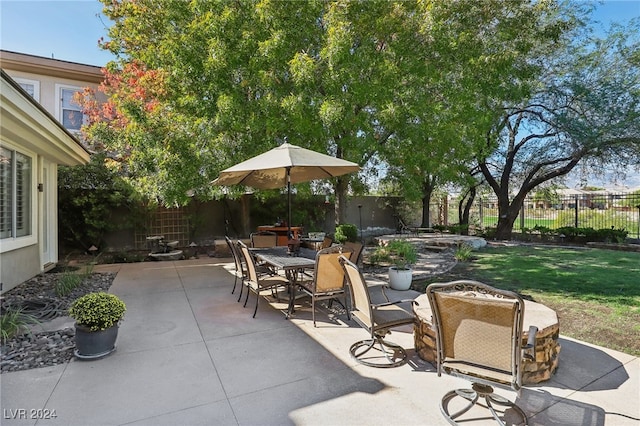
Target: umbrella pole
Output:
{"points": [[289, 236]]}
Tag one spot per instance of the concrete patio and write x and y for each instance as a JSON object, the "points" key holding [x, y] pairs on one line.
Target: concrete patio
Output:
{"points": [[189, 354]]}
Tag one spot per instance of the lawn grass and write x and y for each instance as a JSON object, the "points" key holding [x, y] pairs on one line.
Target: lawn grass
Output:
{"points": [[595, 292]]}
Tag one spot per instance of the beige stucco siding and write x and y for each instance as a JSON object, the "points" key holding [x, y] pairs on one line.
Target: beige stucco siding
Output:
{"points": [[27, 127]]}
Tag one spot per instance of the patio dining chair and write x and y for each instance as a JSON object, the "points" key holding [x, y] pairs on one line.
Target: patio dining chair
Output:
{"points": [[257, 283], [239, 271], [478, 338], [328, 278], [377, 318], [356, 248], [327, 241]]}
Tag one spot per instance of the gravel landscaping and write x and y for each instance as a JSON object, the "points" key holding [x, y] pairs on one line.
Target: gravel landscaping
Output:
{"points": [[37, 297]]}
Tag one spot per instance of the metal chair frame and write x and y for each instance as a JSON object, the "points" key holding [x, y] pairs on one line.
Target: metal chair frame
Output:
{"points": [[328, 279], [240, 270], [257, 283], [327, 241], [471, 311], [378, 319]]}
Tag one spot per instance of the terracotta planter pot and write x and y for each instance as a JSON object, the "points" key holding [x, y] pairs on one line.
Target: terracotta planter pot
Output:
{"points": [[95, 344]]}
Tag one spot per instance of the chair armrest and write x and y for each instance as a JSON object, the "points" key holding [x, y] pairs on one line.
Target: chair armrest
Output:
{"points": [[529, 350], [379, 305]]}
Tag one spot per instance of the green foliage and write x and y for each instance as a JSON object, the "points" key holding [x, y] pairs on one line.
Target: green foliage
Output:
{"points": [[457, 228], [582, 235], [543, 230], [463, 252], [87, 198], [400, 253], [125, 257], [489, 232], [97, 311], [307, 211], [67, 282], [346, 232], [13, 322]]}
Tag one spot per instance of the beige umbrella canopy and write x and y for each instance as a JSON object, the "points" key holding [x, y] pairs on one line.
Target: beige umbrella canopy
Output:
{"points": [[282, 166]]}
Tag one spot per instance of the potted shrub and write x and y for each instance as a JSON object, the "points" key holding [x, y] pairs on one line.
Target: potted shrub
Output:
{"points": [[97, 316], [401, 254]]}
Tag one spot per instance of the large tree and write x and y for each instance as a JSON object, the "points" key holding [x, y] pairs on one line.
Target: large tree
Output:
{"points": [[201, 85], [586, 109], [480, 54]]}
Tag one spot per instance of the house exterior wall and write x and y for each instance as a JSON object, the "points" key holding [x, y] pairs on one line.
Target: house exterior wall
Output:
{"points": [[19, 265], [51, 75], [32, 130]]}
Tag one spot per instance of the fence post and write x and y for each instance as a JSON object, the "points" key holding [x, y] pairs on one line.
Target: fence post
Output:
{"points": [[482, 216], [576, 215], [445, 201], [522, 217], [638, 206]]}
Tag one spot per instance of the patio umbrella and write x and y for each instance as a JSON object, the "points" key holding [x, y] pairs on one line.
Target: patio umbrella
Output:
{"points": [[282, 166]]}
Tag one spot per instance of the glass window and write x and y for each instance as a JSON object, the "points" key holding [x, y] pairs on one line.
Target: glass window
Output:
{"points": [[23, 195], [28, 87], [15, 194], [32, 87], [71, 112], [6, 193]]}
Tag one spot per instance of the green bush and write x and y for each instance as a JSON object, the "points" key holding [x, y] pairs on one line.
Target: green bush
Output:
{"points": [[490, 232], [97, 311], [460, 229], [346, 232], [611, 235], [401, 253]]}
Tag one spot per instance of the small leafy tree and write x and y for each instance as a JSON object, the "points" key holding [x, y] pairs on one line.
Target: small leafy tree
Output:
{"points": [[87, 198]]}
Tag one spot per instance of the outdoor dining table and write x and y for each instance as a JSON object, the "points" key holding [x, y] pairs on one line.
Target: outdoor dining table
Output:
{"points": [[290, 263]]}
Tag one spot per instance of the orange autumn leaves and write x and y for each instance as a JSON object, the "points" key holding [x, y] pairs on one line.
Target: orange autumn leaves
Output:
{"points": [[134, 86]]}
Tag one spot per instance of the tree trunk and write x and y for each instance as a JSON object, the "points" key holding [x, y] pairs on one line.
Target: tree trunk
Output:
{"points": [[464, 210], [341, 201], [427, 191], [504, 228], [507, 215]]}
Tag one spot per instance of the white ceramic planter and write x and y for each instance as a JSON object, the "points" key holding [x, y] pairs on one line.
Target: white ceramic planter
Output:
{"points": [[400, 279]]}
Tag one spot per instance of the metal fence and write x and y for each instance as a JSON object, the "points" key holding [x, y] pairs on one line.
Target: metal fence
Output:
{"points": [[592, 210]]}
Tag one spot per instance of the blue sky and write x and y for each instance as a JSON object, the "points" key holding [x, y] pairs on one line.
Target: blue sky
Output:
{"points": [[69, 30]]}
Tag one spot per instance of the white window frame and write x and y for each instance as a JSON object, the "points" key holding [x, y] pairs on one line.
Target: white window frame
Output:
{"points": [[35, 83], [58, 110], [13, 242]]}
